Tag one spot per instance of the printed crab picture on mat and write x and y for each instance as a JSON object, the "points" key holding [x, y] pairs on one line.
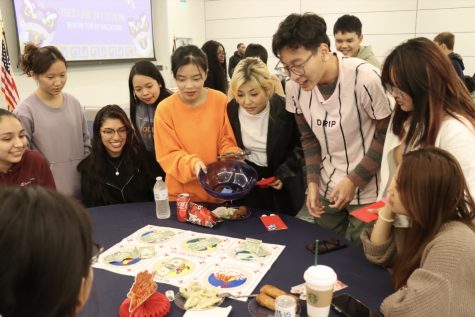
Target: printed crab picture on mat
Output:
{"points": [[128, 256], [228, 277]]}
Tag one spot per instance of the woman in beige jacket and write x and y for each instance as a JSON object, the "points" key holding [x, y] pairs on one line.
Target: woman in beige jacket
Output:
{"points": [[432, 267]]}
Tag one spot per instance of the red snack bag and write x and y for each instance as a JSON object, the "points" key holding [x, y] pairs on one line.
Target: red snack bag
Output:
{"points": [[200, 215], [182, 206]]}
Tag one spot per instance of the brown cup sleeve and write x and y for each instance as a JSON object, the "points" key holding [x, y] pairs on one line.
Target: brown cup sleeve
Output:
{"points": [[319, 298]]}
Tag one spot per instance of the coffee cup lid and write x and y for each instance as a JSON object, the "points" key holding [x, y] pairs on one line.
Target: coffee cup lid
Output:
{"points": [[320, 274]]}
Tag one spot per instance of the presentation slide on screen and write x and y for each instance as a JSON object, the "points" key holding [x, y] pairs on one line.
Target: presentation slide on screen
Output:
{"points": [[88, 30]]}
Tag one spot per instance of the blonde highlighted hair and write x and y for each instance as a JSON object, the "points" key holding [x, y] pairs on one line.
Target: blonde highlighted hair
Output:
{"points": [[253, 70]]}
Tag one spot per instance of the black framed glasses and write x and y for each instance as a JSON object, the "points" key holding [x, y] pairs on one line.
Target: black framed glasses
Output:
{"points": [[97, 249], [298, 70], [109, 133]]}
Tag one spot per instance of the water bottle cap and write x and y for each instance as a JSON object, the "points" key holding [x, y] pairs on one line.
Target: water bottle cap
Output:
{"points": [[159, 178]]}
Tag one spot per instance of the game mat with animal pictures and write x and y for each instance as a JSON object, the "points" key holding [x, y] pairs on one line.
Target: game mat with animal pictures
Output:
{"points": [[180, 256]]}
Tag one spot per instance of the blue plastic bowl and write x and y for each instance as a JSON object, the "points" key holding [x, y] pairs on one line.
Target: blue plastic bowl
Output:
{"points": [[228, 179]]}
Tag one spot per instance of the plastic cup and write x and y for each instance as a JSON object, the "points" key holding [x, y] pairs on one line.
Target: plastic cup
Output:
{"points": [[285, 306], [319, 282]]}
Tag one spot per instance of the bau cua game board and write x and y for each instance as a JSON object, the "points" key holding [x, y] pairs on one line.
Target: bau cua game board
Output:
{"points": [[179, 257]]}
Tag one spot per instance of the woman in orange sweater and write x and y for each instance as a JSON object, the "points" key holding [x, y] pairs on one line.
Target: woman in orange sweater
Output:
{"points": [[191, 127]]}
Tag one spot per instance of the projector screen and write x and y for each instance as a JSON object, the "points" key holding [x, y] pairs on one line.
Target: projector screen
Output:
{"points": [[88, 30]]}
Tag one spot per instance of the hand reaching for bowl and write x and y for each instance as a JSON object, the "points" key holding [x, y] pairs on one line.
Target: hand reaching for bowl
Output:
{"points": [[199, 166]]}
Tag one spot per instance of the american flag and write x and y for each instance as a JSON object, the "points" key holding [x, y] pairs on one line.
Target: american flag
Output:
{"points": [[8, 86]]}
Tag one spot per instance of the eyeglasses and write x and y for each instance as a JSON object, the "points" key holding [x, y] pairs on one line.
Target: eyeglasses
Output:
{"points": [[109, 133], [393, 90], [297, 69], [97, 250]]}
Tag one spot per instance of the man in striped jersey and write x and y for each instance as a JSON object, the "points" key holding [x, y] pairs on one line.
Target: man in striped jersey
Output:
{"points": [[342, 111]]}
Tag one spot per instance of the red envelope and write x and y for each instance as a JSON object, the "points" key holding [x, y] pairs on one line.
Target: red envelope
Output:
{"points": [[264, 183], [366, 216], [273, 222]]}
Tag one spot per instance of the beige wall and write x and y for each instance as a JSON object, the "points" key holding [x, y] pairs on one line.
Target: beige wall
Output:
{"points": [[386, 23]]}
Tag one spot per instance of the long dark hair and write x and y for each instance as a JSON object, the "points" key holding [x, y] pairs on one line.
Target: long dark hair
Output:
{"points": [[47, 239], [37, 60], [421, 70], [217, 69], [95, 164], [433, 190], [145, 68]]}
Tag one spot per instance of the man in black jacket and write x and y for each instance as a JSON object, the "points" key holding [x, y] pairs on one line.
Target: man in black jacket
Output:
{"points": [[446, 41], [237, 56]]}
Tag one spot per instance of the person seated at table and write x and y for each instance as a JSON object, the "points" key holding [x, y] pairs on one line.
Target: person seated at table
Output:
{"points": [[262, 125], [47, 239], [18, 165], [116, 171], [432, 265], [191, 127], [146, 90]]}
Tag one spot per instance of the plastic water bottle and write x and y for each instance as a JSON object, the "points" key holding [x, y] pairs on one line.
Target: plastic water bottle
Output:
{"points": [[160, 191]]}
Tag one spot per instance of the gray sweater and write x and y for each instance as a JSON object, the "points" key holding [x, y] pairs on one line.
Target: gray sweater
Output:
{"points": [[443, 285], [366, 53], [60, 134]]}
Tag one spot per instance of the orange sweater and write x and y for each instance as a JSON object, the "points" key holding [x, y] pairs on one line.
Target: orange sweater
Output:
{"points": [[183, 135]]}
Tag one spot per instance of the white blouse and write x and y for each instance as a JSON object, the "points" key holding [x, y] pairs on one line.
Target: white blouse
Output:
{"points": [[254, 134]]}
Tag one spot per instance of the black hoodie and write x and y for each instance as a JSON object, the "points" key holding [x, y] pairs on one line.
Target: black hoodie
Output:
{"points": [[457, 61]]}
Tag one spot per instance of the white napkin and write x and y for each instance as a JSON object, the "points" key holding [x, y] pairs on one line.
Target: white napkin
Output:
{"points": [[215, 312]]}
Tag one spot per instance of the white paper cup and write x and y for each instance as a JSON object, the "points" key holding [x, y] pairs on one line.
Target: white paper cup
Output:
{"points": [[319, 281]]}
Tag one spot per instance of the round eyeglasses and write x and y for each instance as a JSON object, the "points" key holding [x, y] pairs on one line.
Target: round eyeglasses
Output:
{"points": [[298, 70]]}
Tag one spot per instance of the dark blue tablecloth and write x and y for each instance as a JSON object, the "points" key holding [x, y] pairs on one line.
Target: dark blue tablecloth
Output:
{"points": [[367, 282]]}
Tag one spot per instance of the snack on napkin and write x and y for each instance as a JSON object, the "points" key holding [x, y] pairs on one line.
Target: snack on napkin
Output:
{"points": [[198, 296], [231, 213]]}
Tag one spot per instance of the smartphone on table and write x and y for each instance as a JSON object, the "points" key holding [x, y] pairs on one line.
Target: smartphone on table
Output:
{"points": [[348, 306], [325, 246]]}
